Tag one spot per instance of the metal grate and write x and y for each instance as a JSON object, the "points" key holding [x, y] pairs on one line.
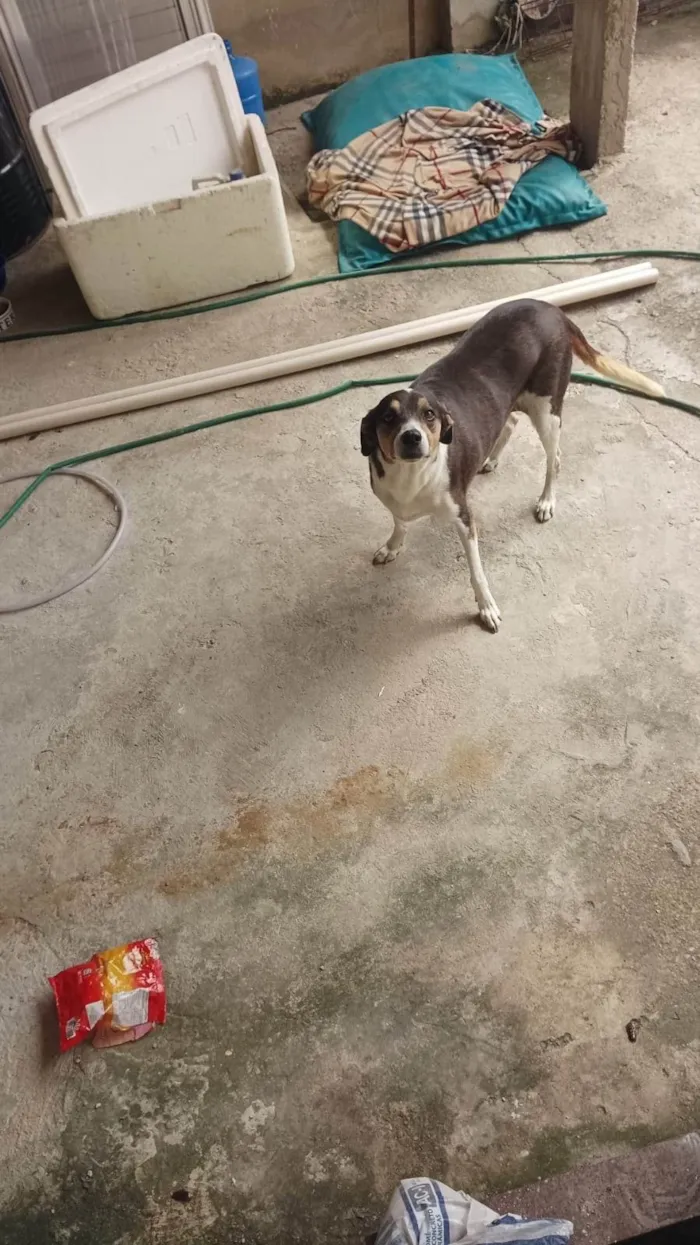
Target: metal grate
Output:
{"points": [[541, 26], [64, 45]]}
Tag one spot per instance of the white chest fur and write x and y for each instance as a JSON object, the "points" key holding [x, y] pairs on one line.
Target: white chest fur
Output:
{"points": [[414, 490]]}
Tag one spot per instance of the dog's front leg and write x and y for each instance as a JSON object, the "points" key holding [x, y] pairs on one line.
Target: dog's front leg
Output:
{"points": [[489, 613], [391, 550]]}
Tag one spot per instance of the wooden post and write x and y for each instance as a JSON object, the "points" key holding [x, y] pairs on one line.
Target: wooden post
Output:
{"points": [[600, 74]]}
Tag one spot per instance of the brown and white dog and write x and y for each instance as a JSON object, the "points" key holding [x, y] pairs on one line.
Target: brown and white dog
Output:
{"points": [[425, 444]]}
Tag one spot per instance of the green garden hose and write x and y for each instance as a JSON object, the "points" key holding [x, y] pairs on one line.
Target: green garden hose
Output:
{"points": [[253, 296], [67, 466]]}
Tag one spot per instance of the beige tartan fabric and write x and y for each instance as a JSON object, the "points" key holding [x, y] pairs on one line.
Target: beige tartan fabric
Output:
{"points": [[433, 173]]}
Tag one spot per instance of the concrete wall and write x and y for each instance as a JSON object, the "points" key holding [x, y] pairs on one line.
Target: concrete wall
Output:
{"points": [[303, 44], [471, 23]]}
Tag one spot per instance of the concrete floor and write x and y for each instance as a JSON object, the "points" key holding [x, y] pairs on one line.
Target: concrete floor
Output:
{"points": [[410, 880]]}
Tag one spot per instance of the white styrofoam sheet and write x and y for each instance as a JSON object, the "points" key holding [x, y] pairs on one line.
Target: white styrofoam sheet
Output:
{"points": [[181, 250], [143, 135]]}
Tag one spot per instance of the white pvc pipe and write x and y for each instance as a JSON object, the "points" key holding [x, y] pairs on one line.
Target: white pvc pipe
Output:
{"points": [[352, 347], [305, 358]]}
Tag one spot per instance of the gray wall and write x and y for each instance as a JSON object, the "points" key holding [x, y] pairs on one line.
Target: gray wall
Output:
{"points": [[471, 23], [302, 44], [306, 44]]}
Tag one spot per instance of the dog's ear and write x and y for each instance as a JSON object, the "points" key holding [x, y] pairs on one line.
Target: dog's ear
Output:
{"points": [[368, 430], [368, 433], [446, 425]]}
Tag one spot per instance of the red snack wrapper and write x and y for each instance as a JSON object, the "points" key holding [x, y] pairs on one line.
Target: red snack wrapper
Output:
{"points": [[117, 996]]}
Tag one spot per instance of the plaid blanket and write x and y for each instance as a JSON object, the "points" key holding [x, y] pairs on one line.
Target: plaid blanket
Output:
{"points": [[433, 173]]}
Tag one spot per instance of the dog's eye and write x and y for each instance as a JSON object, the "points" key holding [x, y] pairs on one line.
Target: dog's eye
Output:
{"points": [[389, 417], [430, 417]]}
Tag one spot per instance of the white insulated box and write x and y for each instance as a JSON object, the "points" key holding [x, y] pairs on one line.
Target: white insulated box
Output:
{"points": [[188, 247]]}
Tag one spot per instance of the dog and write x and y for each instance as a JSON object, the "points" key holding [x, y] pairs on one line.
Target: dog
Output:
{"points": [[425, 444]]}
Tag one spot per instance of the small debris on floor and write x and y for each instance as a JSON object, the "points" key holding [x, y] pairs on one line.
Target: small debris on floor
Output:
{"points": [[681, 851], [425, 1209], [181, 1195], [117, 996], [556, 1043], [633, 1029]]}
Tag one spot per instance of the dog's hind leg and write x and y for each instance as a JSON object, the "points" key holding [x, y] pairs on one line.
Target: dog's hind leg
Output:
{"points": [[489, 613], [547, 422], [491, 463], [391, 550]]}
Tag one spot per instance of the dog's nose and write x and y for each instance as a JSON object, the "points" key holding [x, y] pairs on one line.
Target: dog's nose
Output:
{"points": [[411, 437]]}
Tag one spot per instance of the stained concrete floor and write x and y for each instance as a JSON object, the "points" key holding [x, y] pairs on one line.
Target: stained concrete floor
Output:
{"points": [[410, 880]]}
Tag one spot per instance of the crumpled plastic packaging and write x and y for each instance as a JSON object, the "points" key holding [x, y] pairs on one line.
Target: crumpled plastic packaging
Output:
{"points": [[425, 1212], [117, 996]]}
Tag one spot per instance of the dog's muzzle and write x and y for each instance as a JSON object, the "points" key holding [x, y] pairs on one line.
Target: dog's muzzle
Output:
{"points": [[411, 443]]}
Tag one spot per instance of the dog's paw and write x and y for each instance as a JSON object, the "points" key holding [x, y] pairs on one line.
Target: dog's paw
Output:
{"points": [[384, 555], [490, 464], [490, 616], [544, 510]]}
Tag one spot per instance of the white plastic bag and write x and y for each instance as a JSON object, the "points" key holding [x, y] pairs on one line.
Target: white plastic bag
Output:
{"points": [[425, 1212]]}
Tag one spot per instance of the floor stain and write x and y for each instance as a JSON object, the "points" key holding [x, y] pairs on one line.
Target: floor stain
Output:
{"points": [[469, 764], [253, 826], [351, 806]]}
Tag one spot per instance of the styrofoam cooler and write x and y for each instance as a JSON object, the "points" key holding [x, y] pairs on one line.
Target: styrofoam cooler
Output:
{"points": [[123, 156], [180, 250]]}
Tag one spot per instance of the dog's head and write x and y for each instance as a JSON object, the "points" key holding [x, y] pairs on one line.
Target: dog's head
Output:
{"points": [[405, 425]]}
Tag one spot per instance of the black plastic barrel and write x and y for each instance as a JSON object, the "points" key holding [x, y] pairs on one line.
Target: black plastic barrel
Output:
{"points": [[24, 207]]}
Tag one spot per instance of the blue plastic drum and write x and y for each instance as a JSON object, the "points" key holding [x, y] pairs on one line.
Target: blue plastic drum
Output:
{"points": [[245, 71]]}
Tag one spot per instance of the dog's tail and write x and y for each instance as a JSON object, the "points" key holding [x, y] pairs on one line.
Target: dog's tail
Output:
{"points": [[610, 367]]}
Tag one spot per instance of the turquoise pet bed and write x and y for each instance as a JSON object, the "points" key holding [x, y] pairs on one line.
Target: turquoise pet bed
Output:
{"points": [[551, 195]]}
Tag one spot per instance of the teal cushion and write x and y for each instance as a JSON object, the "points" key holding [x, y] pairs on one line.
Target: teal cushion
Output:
{"points": [[550, 195]]}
